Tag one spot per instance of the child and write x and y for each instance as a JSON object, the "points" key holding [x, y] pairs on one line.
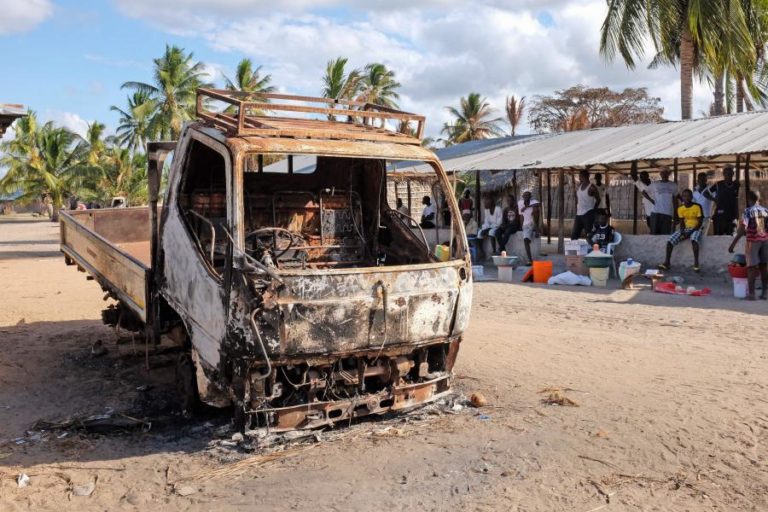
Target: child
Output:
{"points": [[602, 232]]}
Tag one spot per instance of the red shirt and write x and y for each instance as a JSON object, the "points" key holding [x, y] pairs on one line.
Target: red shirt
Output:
{"points": [[754, 220]]}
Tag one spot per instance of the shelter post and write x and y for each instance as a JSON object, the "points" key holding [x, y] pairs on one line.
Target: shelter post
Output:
{"points": [[674, 170], [746, 178], [514, 184], [738, 168], [561, 212], [549, 206], [635, 195], [478, 206], [541, 188], [408, 191]]}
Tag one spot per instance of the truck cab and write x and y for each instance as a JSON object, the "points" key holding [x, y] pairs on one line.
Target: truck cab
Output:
{"points": [[279, 264]]}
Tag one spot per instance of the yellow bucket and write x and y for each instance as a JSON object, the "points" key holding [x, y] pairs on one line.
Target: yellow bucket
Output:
{"points": [[442, 252]]}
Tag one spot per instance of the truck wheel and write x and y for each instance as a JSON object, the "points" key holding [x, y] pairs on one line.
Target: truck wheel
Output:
{"points": [[186, 385]]}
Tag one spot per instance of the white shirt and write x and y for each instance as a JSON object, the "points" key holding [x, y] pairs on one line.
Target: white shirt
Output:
{"points": [[427, 211], [663, 193], [584, 202], [527, 214], [647, 203], [491, 220], [706, 204]]}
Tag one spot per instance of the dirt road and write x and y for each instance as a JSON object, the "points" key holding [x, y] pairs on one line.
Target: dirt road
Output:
{"points": [[671, 395]]}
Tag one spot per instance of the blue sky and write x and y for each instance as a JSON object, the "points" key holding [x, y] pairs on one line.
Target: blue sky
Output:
{"points": [[66, 59]]}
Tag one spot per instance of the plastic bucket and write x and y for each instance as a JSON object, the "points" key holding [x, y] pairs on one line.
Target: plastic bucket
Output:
{"points": [[599, 276], [737, 271], [506, 273], [542, 271], [740, 287]]}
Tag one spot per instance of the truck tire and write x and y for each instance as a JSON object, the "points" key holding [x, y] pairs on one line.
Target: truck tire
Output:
{"points": [[186, 385]]}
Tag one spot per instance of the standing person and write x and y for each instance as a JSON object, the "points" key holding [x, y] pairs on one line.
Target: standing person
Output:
{"points": [[602, 190], [702, 194], [587, 199], [427, 214], [753, 224], [510, 223], [690, 216], [446, 212], [726, 195], [642, 182], [491, 223], [466, 204], [663, 195], [528, 209]]}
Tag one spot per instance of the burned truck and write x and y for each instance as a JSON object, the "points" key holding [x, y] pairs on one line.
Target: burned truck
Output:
{"points": [[275, 263]]}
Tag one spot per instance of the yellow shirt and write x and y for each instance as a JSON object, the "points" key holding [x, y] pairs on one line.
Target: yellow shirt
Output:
{"points": [[690, 215]]}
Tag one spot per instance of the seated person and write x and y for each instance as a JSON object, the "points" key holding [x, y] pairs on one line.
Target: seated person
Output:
{"points": [[691, 217], [470, 224], [491, 223], [510, 223], [427, 214], [602, 232]]}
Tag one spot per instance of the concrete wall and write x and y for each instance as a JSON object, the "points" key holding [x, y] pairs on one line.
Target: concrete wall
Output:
{"points": [[650, 250], [515, 245]]}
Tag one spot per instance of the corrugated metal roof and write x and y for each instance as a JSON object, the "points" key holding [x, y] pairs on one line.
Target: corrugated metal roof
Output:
{"points": [[8, 109], [701, 141]]}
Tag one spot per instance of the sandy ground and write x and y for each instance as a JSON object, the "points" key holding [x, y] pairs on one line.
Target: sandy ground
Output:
{"points": [[672, 409]]}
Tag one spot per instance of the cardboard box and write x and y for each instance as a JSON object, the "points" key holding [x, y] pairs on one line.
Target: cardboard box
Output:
{"points": [[576, 265], [576, 248]]}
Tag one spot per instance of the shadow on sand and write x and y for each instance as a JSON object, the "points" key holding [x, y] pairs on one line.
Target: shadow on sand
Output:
{"points": [[48, 371]]}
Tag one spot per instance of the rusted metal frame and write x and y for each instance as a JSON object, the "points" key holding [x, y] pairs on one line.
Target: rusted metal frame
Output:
{"points": [[372, 114], [329, 134], [234, 97], [635, 196], [290, 164], [213, 232], [231, 97], [400, 397], [105, 283], [549, 206], [156, 155]]}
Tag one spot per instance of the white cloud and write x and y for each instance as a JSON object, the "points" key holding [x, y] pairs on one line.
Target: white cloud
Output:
{"points": [[440, 49], [22, 15], [68, 120]]}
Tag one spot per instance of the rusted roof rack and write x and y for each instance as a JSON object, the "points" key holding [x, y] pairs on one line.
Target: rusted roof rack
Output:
{"points": [[248, 115]]}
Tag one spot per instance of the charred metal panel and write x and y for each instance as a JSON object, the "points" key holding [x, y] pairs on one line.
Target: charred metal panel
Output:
{"points": [[188, 283], [340, 312]]}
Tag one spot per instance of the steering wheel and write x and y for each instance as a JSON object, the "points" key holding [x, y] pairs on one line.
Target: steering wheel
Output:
{"points": [[269, 238], [398, 213]]}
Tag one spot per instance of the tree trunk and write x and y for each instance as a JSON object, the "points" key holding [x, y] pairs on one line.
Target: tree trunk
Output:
{"points": [[739, 95], [686, 74], [719, 95]]}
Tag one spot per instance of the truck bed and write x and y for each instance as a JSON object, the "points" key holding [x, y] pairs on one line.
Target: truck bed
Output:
{"points": [[112, 245]]}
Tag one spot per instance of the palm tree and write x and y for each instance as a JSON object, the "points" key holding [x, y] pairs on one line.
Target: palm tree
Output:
{"points": [[134, 130], [682, 31], [122, 173], [174, 89], [378, 85], [44, 160], [515, 110], [472, 120], [338, 84], [249, 80]]}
